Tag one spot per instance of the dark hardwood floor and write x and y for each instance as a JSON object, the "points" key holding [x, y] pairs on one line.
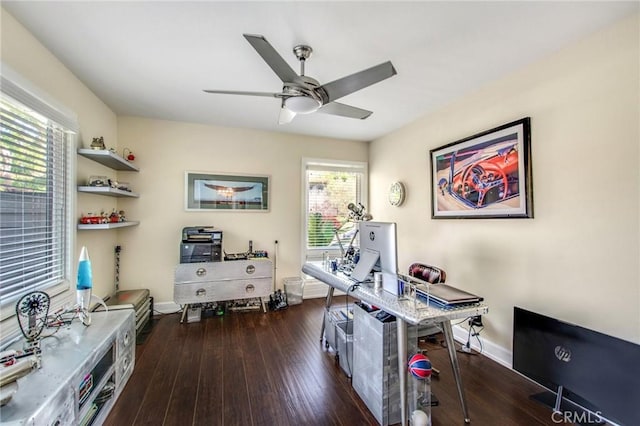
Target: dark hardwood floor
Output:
{"points": [[252, 368]]}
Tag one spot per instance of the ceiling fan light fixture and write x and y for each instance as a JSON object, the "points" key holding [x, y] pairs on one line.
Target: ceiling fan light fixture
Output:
{"points": [[302, 104]]}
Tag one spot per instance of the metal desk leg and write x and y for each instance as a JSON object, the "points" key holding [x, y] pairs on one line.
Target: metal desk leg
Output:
{"points": [[401, 326], [448, 335], [327, 305]]}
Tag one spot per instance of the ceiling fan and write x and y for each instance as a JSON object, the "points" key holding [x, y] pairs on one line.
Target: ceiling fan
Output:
{"points": [[302, 94]]}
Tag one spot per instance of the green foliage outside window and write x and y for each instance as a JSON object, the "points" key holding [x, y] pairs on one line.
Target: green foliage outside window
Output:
{"points": [[321, 231]]}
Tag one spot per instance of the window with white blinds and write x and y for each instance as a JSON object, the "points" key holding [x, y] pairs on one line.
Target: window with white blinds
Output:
{"points": [[35, 199], [329, 188]]}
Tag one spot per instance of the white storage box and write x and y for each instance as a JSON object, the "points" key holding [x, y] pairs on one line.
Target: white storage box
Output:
{"points": [[335, 315], [344, 336]]}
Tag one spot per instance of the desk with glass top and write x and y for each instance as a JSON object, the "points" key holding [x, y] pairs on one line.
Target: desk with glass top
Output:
{"points": [[406, 311]]}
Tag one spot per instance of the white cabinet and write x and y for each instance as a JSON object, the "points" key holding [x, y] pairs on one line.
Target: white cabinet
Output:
{"points": [[115, 162], [84, 370], [217, 281], [375, 364]]}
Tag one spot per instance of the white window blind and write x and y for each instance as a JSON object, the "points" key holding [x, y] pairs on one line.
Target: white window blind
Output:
{"points": [[330, 187], [35, 196]]}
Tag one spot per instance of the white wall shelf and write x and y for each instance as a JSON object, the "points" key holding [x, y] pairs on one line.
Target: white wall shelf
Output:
{"points": [[109, 159], [108, 191], [109, 225], [113, 161]]}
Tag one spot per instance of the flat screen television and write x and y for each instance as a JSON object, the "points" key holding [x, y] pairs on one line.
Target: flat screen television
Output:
{"points": [[582, 368], [381, 237]]}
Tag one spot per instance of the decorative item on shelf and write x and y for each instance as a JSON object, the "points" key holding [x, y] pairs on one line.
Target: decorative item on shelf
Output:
{"points": [[98, 143], [114, 217], [122, 186], [129, 156], [93, 219], [396, 194], [99, 181], [121, 215]]}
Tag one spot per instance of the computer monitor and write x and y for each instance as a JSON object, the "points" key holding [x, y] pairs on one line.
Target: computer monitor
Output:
{"points": [[381, 237], [589, 370]]}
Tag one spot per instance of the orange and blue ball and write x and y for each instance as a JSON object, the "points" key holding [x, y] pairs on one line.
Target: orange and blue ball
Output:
{"points": [[420, 366]]}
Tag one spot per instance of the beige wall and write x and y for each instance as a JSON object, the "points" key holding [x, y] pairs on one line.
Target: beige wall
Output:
{"points": [[165, 150], [26, 55], [578, 259], [582, 246]]}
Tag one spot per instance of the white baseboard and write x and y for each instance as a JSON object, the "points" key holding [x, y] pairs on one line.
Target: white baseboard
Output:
{"points": [[489, 349]]}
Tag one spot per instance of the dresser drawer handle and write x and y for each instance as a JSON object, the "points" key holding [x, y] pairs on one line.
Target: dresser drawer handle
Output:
{"points": [[250, 288], [201, 292], [251, 269], [201, 272]]}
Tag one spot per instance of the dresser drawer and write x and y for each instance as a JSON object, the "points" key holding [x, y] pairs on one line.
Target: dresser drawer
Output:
{"points": [[212, 291], [221, 271]]}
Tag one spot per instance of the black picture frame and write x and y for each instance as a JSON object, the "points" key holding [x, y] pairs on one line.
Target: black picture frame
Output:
{"points": [[225, 192], [487, 175]]}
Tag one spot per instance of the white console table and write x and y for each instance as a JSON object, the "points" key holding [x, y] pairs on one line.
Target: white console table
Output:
{"points": [[84, 370], [406, 312]]}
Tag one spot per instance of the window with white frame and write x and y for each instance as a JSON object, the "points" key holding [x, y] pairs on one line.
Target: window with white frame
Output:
{"points": [[329, 187], [36, 175]]}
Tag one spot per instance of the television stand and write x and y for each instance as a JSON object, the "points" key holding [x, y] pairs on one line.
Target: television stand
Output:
{"points": [[84, 370]]}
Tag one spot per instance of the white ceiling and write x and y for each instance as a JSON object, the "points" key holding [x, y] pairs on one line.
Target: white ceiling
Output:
{"points": [[153, 59]]}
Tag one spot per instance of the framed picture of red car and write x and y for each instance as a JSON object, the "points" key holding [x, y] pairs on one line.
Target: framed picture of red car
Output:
{"points": [[487, 175]]}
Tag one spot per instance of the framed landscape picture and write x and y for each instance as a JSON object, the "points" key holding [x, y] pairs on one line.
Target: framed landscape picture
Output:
{"points": [[487, 175], [219, 191]]}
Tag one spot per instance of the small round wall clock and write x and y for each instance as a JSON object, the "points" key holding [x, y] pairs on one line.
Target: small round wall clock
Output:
{"points": [[396, 194]]}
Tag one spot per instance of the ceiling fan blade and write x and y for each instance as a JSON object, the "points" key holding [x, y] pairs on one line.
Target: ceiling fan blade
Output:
{"points": [[237, 92], [286, 115], [343, 110], [351, 83], [273, 59]]}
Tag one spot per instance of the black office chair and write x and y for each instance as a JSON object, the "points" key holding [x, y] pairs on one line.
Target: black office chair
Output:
{"points": [[432, 275]]}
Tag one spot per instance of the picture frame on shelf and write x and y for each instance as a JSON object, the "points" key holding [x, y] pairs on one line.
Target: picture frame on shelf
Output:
{"points": [[225, 192], [487, 175]]}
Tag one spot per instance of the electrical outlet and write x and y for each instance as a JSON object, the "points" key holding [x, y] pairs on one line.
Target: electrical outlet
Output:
{"points": [[475, 321]]}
